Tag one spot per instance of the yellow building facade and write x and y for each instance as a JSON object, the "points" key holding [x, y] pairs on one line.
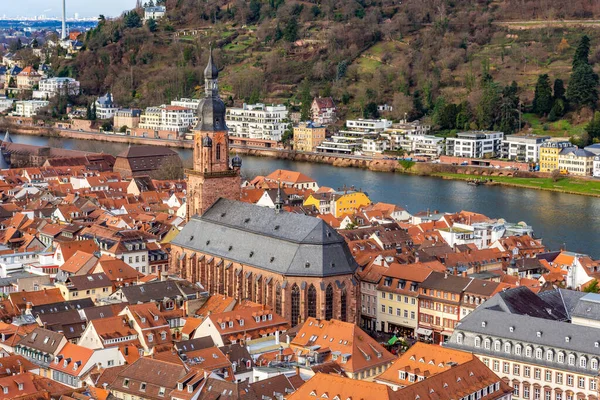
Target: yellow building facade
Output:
{"points": [[549, 154], [307, 136]]}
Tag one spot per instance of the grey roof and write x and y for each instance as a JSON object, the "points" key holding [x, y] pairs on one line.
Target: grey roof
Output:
{"points": [[447, 282], [577, 152], [286, 243], [54, 308], [200, 343], [90, 281], [525, 329], [588, 307], [43, 340], [156, 291], [523, 301], [562, 299]]}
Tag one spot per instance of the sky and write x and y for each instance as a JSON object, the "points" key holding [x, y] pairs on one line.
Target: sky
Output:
{"points": [[85, 8]]}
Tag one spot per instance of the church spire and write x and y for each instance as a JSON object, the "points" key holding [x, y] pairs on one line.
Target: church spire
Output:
{"points": [[211, 76], [278, 200]]}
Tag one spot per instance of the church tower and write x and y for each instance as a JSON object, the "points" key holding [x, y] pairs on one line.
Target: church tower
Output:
{"points": [[213, 175]]}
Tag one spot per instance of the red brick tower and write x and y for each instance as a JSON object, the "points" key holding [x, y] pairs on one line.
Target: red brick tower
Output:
{"points": [[213, 175]]}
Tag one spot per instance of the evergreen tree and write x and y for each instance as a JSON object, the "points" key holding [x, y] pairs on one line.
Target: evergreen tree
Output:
{"points": [[290, 33], [152, 25], [132, 19], [254, 14], [582, 52], [93, 113], [542, 100], [306, 99], [371, 111], [583, 87], [559, 89], [488, 107], [593, 127], [88, 113]]}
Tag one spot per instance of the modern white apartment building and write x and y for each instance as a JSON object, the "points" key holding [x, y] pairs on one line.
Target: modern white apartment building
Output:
{"points": [[28, 108], [168, 118], [105, 107], [418, 144], [6, 104], [53, 86], [368, 124], [340, 144], [523, 147], [375, 144], [475, 144], [257, 121], [596, 167]]}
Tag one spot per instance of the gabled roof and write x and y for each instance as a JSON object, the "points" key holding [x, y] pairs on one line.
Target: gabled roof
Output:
{"points": [[327, 386], [36, 298], [344, 339], [424, 360], [286, 243], [457, 382], [154, 291], [72, 359]]}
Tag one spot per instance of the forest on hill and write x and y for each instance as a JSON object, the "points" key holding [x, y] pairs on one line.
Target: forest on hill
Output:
{"points": [[426, 58]]}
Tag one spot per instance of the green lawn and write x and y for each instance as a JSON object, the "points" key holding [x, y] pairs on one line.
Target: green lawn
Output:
{"points": [[368, 65], [560, 128], [579, 186]]}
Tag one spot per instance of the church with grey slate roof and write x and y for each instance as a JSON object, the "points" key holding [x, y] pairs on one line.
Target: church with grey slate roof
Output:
{"points": [[295, 264]]}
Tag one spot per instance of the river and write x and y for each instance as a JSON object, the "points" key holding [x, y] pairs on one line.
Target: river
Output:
{"points": [[560, 219]]}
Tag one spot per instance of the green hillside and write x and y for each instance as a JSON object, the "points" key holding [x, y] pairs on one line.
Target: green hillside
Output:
{"points": [[415, 55]]}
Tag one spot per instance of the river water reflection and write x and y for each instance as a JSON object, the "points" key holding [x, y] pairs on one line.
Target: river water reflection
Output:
{"points": [[560, 219]]}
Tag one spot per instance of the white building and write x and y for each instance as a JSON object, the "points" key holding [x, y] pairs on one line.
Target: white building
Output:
{"points": [[339, 144], [523, 147], [258, 121], [475, 144], [28, 108], [368, 124], [596, 168], [155, 12], [168, 118], [375, 144], [6, 104], [53, 86], [418, 144], [105, 107]]}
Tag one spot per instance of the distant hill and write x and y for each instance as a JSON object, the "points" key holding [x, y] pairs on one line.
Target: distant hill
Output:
{"points": [[408, 54]]}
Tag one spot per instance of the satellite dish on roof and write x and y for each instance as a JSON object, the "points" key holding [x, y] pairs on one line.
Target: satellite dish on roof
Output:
{"points": [[522, 223], [502, 221]]}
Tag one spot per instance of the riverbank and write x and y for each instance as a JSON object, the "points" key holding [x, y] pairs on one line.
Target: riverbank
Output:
{"points": [[569, 185], [523, 179]]}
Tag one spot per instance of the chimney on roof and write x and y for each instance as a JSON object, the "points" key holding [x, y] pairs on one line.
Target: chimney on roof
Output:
{"points": [[445, 275], [464, 274], [28, 305], [455, 270]]}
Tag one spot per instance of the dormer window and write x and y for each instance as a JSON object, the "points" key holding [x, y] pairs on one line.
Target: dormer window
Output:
{"points": [[190, 388], [231, 324], [150, 337], [126, 382], [241, 322], [483, 324], [222, 325], [65, 363], [163, 336], [143, 387]]}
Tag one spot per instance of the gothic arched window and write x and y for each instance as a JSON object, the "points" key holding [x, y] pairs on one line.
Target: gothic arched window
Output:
{"points": [[311, 299], [295, 305], [329, 302], [218, 152], [278, 299], [343, 305]]}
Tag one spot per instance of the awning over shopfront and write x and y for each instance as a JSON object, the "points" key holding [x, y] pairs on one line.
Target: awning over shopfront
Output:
{"points": [[424, 332]]}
